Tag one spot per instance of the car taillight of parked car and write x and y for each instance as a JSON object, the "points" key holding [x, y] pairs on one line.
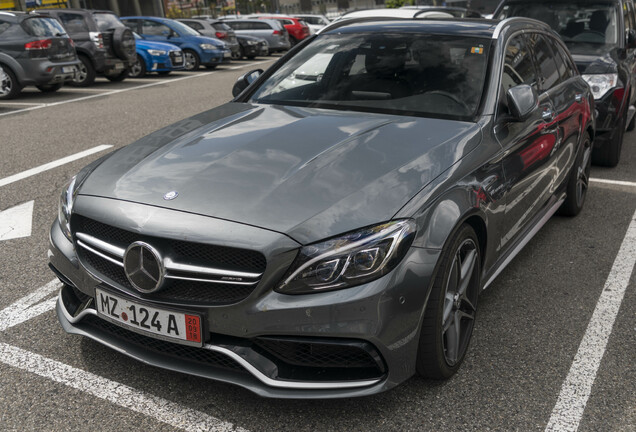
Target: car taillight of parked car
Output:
{"points": [[221, 35], [277, 32], [41, 44], [98, 39]]}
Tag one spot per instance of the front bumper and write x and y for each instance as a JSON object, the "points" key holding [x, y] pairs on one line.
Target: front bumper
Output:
{"points": [[381, 318], [216, 57]]}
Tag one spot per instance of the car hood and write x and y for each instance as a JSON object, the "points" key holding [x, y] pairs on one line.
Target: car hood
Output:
{"points": [[207, 40], [146, 45], [591, 64], [308, 173]]}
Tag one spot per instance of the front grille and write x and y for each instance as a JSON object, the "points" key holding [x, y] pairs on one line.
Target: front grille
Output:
{"points": [[182, 352], [212, 290]]}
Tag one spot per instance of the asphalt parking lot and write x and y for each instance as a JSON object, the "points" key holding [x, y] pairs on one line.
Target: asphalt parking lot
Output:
{"points": [[554, 346]]}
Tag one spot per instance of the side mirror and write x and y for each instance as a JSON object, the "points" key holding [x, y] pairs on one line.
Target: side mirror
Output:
{"points": [[166, 33], [245, 80], [522, 101], [631, 39]]}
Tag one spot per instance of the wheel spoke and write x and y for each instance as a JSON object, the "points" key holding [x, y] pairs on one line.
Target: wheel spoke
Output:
{"points": [[453, 334], [448, 306], [467, 271]]}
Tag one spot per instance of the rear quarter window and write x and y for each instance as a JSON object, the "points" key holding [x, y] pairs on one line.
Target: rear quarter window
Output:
{"points": [[43, 27], [107, 21], [74, 23], [4, 26]]}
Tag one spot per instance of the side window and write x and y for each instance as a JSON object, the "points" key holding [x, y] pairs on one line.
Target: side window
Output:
{"points": [[131, 24], [4, 26], [195, 25], [74, 23], [562, 66], [545, 61], [154, 28], [259, 26], [518, 69], [570, 68]]}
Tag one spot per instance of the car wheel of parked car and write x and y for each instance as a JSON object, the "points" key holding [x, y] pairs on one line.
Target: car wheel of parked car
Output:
{"points": [[450, 313], [241, 53], [210, 67], [86, 74], [192, 61], [610, 153], [138, 68], [578, 181], [9, 85], [50, 88], [117, 76]]}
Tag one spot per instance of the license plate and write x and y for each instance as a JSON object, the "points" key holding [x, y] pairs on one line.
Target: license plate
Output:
{"points": [[119, 66], [227, 54], [178, 59], [68, 69], [164, 324]]}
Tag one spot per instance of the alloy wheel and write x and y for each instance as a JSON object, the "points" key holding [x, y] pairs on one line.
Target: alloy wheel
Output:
{"points": [[190, 61], [460, 301], [583, 175], [5, 83], [82, 73], [135, 69]]}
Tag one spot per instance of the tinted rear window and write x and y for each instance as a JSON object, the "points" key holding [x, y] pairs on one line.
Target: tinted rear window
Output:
{"points": [[43, 27], [221, 26], [107, 21]]}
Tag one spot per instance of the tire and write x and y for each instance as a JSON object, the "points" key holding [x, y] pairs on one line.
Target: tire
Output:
{"points": [[451, 309], [210, 67], [138, 68], [610, 154], [578, 181], [251, 57], [117, 77], [192, 61], [164, 73], [124, 45], [241, 53], [50, 88], [86, 75], [9, 85]]}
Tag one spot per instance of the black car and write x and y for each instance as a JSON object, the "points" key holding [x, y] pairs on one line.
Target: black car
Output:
{"points": [[601, 35], [104, 44], [34, 50], [251, 46], [328, 232]]}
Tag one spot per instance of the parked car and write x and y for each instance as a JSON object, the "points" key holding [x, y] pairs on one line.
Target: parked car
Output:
{"points": [[270, 30], [158, 57], [602, 39], [315, 22], [197, 49], [391, 13], [330, 239], [34, 50], [216, 29], [297, 29], [104, 45], [251, 46]]}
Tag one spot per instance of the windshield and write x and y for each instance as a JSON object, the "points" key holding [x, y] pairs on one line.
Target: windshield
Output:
{"points": [[43, 27], [409, 74], [183, 29], [585, 27], [107, 21]]}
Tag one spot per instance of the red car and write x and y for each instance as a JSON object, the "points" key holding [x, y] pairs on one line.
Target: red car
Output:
{"points": [[297, 29]]}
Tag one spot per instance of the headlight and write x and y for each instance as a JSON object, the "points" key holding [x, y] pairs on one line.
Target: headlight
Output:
{"points": [[250, 42], [352, 259], [601, 83], [208, 47], [157, 52], [66, 207]]}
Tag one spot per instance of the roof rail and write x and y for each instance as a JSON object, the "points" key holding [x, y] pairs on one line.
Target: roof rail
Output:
{"points": [[503, 23]]}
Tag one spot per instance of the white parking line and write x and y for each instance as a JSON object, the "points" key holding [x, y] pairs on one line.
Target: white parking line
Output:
{"points": [[577, 387], [26, 308], [613, 182], [20, 103], [111, 92], [33, 171], [158, 408]]}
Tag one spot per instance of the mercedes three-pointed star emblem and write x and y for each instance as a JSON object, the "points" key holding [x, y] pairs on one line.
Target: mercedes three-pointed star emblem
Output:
{"points": [[144, 267]]}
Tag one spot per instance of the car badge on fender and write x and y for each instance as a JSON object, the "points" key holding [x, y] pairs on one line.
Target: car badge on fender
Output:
{"points": [[171, 195]]}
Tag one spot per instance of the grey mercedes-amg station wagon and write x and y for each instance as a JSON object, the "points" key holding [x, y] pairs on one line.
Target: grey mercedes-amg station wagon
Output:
{"points": [[327, 233]]}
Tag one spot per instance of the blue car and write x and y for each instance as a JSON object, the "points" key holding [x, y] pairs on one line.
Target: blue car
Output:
{"points": [[197, 49], [155, 57]]}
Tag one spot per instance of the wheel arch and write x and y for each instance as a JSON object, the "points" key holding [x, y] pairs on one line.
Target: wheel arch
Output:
{"points": [[12, 64]]}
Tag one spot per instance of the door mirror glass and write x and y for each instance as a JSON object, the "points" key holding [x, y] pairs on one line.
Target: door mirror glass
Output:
{"points": [[522, 101], [245, 80]]}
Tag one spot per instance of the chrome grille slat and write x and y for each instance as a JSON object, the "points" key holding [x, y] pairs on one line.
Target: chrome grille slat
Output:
{"points": [[96, 252]]}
